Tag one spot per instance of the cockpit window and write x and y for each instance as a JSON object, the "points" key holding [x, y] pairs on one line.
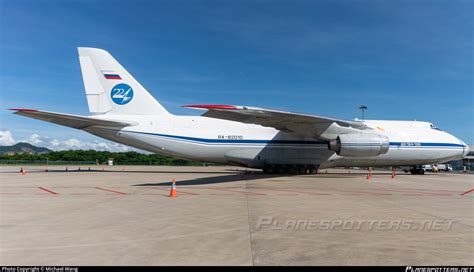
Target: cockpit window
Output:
{"points": [[434, 127]]}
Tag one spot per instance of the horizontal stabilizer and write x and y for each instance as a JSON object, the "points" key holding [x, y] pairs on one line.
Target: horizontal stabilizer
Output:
{"points": [[69, 120]]}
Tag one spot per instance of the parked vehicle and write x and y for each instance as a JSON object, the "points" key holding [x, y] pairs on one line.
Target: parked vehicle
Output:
{"points": [[445, 167], [427, 167]]}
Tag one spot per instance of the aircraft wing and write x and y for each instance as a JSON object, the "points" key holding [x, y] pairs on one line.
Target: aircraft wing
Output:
{"points": [[304, 124], [69, 120]]}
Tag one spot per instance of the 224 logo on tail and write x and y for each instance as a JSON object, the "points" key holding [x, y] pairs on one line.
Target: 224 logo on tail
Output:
{"points": [[121, 94]]}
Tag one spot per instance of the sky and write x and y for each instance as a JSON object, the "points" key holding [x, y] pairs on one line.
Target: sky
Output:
{"points": [[405, 60]]}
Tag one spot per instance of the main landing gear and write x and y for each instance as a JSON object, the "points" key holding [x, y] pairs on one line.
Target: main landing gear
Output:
{"points": [[290, 169]]}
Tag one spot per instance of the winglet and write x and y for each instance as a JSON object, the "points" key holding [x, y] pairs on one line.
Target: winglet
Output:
{"points": [[209, 107]]}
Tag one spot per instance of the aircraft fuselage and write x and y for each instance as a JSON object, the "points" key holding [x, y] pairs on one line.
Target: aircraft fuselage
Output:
{"points": [[220, 141]]}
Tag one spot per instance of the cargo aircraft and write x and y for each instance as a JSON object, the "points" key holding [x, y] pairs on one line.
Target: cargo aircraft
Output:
{"points": [[280, 142]]}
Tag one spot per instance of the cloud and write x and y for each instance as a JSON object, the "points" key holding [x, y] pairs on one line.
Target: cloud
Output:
{"points": [[54, 143], [6, 138], [75, 144], [35, 139]]}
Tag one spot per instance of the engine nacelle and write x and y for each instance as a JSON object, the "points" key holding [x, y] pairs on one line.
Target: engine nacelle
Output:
{"points": [[359, 145]]}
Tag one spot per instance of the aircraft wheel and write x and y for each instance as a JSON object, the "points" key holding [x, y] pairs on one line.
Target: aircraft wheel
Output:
{"points": [[417, 171], [292, 170], [302, 170], [313, 170], [281, 169]]}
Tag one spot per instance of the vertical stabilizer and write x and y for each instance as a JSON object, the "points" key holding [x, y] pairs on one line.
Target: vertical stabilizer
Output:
{"points": [[110, 89]]}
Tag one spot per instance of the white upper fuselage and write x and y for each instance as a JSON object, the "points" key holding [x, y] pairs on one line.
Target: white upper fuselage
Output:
{"points": [[221, 141]]}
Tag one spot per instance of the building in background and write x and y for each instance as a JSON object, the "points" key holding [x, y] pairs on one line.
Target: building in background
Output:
{"points": [[467, 161]]}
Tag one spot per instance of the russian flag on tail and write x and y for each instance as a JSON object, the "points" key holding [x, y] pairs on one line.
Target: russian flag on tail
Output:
{"points": [[111, 75]]}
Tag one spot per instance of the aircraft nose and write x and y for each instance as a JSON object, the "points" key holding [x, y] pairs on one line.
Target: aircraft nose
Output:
{"points": [[466, 149]]}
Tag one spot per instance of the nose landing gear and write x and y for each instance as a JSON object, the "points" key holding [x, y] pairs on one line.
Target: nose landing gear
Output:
{"points": [[417, 170]]}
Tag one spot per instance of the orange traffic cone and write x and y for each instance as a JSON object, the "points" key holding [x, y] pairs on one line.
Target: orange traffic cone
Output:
{"points": [[369, 175], [23, 171], [173, 189]]}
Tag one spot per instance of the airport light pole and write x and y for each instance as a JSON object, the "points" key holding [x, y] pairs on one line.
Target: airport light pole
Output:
{"points": [[363, 108]]}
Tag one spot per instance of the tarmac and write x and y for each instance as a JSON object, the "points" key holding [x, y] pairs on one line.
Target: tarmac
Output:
{"points": [[123, 215]]}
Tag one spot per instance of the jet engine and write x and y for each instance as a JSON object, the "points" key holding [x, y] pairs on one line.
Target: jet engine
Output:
{"points": [[359, 144]]}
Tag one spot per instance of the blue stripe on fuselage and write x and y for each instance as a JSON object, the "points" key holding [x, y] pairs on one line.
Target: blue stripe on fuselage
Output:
{"points": [[204, 140], [417, 144], [287, 142]]}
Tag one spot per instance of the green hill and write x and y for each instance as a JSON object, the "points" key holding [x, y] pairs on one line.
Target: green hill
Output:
{"points": [[20, 148]]}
